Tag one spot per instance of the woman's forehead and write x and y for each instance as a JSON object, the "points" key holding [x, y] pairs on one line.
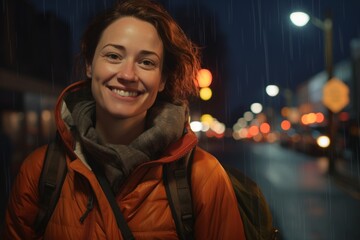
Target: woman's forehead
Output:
{"points": [[131, 31]]}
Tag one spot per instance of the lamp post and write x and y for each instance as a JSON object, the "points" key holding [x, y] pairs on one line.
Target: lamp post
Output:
{"points": [[300, 19], [272, 91]]}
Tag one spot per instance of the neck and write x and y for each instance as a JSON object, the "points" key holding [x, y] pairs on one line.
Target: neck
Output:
{"points": [[119, 130]]}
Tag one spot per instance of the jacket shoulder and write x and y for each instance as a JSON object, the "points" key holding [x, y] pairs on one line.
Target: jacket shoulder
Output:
{"points": [[205, 165], [24, 196], [38, 153], [27, 179], [33, 163], [214, 201]]}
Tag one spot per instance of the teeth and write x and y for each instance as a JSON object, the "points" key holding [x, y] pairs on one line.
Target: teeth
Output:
{"points": [[125, 93]]}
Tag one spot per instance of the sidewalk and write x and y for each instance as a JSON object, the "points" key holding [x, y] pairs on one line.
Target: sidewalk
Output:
{"points": [[310, 204], [347, 174], [306, 202]]}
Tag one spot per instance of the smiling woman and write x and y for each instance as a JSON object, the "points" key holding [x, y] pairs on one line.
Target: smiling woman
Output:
{"points": [[119, 128], [126, 73]]}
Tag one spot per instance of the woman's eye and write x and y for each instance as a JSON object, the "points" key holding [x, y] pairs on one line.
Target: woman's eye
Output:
{"points": [[148, 63], [113, 57]]}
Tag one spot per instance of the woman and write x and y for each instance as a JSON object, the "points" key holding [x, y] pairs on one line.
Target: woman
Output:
{"points": [[126, 121]]}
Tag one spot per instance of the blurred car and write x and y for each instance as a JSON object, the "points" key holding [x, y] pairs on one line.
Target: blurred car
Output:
{"points": [[289, 138], [308, 143]]}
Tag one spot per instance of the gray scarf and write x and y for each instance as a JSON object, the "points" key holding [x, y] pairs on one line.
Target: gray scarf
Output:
{"points": [[165, 124]]}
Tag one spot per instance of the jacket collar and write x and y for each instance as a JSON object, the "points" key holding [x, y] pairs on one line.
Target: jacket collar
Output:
{"points": [[173, 152]]}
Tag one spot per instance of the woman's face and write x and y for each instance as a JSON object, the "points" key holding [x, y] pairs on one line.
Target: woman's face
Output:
{"points": [[126, 69]]}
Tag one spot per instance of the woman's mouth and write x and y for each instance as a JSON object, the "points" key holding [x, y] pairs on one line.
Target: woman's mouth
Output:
{"points": [[124, 93]]}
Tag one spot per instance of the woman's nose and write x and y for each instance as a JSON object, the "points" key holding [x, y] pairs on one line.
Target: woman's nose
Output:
{"points": [[127, 71]]}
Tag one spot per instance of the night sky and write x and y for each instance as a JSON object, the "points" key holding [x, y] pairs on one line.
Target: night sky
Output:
{"points": [[246, 44]]}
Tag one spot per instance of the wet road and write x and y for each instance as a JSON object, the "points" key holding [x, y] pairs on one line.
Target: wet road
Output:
{"points": [[306, 202]]}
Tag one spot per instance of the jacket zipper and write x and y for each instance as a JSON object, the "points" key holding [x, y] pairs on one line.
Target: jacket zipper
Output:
{"points": [[89, 207], [90, 221]]}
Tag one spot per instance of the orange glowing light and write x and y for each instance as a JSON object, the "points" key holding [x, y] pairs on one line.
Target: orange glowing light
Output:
{"points": [[304, 119], [285, 125], [311, 118], [319, 117], [204, 78], [254, 130], [265, 128]]}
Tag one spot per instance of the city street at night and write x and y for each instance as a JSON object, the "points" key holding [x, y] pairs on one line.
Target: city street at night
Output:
{"points": [[271, 88], [305, 201]]}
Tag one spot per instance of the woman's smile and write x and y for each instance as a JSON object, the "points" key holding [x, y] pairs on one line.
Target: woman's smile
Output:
{"points": [[123, 92]]}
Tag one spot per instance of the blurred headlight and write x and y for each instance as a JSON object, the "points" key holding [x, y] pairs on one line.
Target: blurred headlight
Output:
{"points": [[323, 141]]}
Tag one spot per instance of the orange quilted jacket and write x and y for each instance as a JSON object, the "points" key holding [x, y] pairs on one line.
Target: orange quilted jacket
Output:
{"points": [[142, 199]]}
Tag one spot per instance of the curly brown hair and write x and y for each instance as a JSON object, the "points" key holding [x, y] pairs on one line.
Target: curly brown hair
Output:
{"points": [[181, 55]]}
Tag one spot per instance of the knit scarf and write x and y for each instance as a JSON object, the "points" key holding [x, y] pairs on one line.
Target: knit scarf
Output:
{"points": [[164, 125]]}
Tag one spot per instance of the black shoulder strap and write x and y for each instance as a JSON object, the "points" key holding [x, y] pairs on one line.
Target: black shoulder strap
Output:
{"points": [[51, 179], [120, 219], [176, 177], [253, 208]]}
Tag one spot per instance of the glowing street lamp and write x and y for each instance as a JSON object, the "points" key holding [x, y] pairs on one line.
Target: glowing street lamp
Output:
{"points": [[272, 90], [300, 19]]}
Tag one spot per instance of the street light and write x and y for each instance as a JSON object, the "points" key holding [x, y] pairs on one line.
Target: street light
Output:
{"points": [[272, 90], [301, 19]]}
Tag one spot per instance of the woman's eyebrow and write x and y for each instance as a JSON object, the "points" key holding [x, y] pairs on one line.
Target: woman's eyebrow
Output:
{"points": [[122, 48], [147, 52]]}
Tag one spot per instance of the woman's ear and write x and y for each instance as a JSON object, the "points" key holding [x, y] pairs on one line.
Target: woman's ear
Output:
{"points": [[162, 84], [88, 70]]}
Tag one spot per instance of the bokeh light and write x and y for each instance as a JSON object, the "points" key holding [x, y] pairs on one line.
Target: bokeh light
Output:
{"points": [[272, 90], [205, 93], [256, 108], [206, 118], [248, 116], [254, 130], [196, 126], [204, 78], [285, 125], [323, 141], [265, 128]]}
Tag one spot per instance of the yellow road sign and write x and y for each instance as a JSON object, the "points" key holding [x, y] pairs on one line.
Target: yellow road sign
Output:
{"points": [[335, 95]]}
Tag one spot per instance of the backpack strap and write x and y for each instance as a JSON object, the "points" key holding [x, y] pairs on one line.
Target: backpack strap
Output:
{"points": [[51, 180], [252, 205], [176, 177], [120, 219]]}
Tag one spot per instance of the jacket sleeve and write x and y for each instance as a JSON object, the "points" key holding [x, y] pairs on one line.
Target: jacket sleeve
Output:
{"points": [[215, 205], [23, 202]]}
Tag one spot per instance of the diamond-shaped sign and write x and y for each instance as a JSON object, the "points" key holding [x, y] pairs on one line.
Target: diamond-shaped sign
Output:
{"points": [[335, 95]]}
